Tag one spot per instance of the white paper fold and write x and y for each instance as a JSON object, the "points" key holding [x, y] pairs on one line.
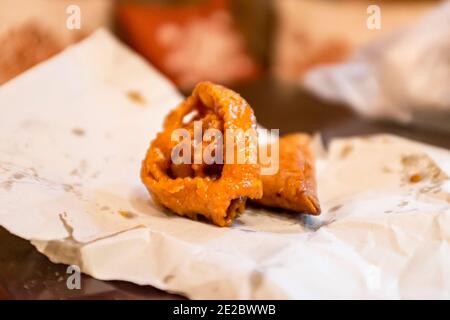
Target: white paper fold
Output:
{"points": [[72, 135]]}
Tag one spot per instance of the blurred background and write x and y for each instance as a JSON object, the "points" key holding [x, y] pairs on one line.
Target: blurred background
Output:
{"points": [[267, 48], [226, 41]]}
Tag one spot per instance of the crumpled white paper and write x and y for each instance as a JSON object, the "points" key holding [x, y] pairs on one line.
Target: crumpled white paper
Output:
{"points": [[72, 135], [405, 77]]}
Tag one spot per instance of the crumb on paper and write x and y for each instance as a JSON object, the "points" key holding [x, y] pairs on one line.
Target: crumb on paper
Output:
{"points": [[78, 132], [18, 176], [68, 187], [127, 214], [104, 208], [136, 97], [346, 150], [419, 167], [415, 178], [387, 169]]}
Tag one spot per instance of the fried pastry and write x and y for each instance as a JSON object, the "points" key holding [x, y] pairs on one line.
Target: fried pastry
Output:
{"points": [[293, 187], [216, 191]]}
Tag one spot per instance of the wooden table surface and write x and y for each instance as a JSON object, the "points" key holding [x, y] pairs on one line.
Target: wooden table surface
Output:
{"points": [[27, 274]]}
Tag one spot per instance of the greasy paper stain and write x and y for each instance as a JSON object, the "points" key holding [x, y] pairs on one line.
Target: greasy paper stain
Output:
{"points": [[346, 150], [72, 188], [419, 167], [136, 97], [78, 132], [336, 208], [80, 170], [256, 279], [387, 169], [7, 185], [127, 214], [18, 176], [168, 278]]}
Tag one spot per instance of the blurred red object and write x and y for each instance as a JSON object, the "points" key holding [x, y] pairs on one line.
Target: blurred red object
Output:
{"points": [[188, 43]]}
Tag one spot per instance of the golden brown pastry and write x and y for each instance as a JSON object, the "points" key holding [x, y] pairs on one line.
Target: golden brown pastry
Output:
{"points": [[293, 187], [215, 191]]}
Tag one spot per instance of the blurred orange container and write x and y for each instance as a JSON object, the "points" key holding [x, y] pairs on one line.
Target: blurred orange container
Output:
{"points": [[188, 43]]}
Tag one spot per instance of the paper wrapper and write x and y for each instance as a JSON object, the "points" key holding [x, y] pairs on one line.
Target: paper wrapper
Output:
{"points": [[74, 131], [404, 77]]}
